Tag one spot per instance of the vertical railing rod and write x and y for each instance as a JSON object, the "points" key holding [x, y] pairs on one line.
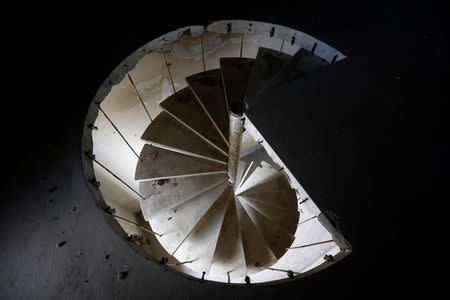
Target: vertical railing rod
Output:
{"points": [[139, 96], [203, 51], [309, 245], [280, 270], [181, 263], [242, 45], [140, 227], [118, 178], [307, 220], [168, 69], [303, 201], [118, 131]]}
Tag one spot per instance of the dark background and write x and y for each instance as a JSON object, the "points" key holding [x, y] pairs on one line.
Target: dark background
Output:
{"points": [[56, 57]]}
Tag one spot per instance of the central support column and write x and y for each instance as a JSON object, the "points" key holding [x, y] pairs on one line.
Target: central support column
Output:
{"points": [[236, 128]]}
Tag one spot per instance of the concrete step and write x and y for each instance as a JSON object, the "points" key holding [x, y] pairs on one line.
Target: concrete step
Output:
{"points": [[305, 258], [267, 63], [261, 173], [276, 182], [185, 108], [229, 254], [162, 195], [166, 132], [268, 205], [208, 89], [275, 235], [303, 62], [257, 252], [158, 163], [240, 173], [247, 141], [256, 153], [235, 74], [253, 157], [249, 168], [179, 221], [199, 245]]}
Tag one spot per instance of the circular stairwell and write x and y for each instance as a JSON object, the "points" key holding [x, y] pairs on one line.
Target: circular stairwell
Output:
{"points": [[206, 195]]}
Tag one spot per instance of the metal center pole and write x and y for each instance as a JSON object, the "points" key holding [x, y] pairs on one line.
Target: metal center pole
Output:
{"points": [[236, 128]]}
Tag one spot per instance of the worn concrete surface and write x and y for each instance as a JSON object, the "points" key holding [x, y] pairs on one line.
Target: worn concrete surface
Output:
{"points": [[208, 88]]}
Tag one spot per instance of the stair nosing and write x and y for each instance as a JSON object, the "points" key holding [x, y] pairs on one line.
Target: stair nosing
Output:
{"points": [[195, 226], [181, 176], [262, 233], [225, 91], [263, 239], [173, 149], [244, 176], [189, 199], [266, 218], [209, 115], [194, 131], [240, 191]]}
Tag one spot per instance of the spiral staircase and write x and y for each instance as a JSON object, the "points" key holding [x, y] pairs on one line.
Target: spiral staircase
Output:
{"points": [[216, 207]]}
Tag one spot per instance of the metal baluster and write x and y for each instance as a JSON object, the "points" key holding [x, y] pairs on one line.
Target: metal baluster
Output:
{"points": [[242, 44], [203, 52], [140, 227], [289, 273], [168, 69], [307, 220], [118, 131], [309, 245], [139, 96], [118, 178], [181, 263]]}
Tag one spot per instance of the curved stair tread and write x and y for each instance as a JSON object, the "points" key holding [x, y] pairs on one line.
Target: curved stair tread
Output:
{"points": [[282, 199], [304, 259], [166, 132], [199, 245], [261, 173], [229, 254], [162, 195], [275, 182], [247, 142], [288, 219], [235, 74], [208, 89], [277, 237], [285, 199], [249, 168], [256, 153], [158, 163], [185, 108], [257, 252], [176, 223], [302, 62], [267, 63], [240, 172], [253, 157], [314, 232]]}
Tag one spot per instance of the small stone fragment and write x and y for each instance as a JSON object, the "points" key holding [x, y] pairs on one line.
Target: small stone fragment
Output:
{"points": [[62, 243], [123, 275]]}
